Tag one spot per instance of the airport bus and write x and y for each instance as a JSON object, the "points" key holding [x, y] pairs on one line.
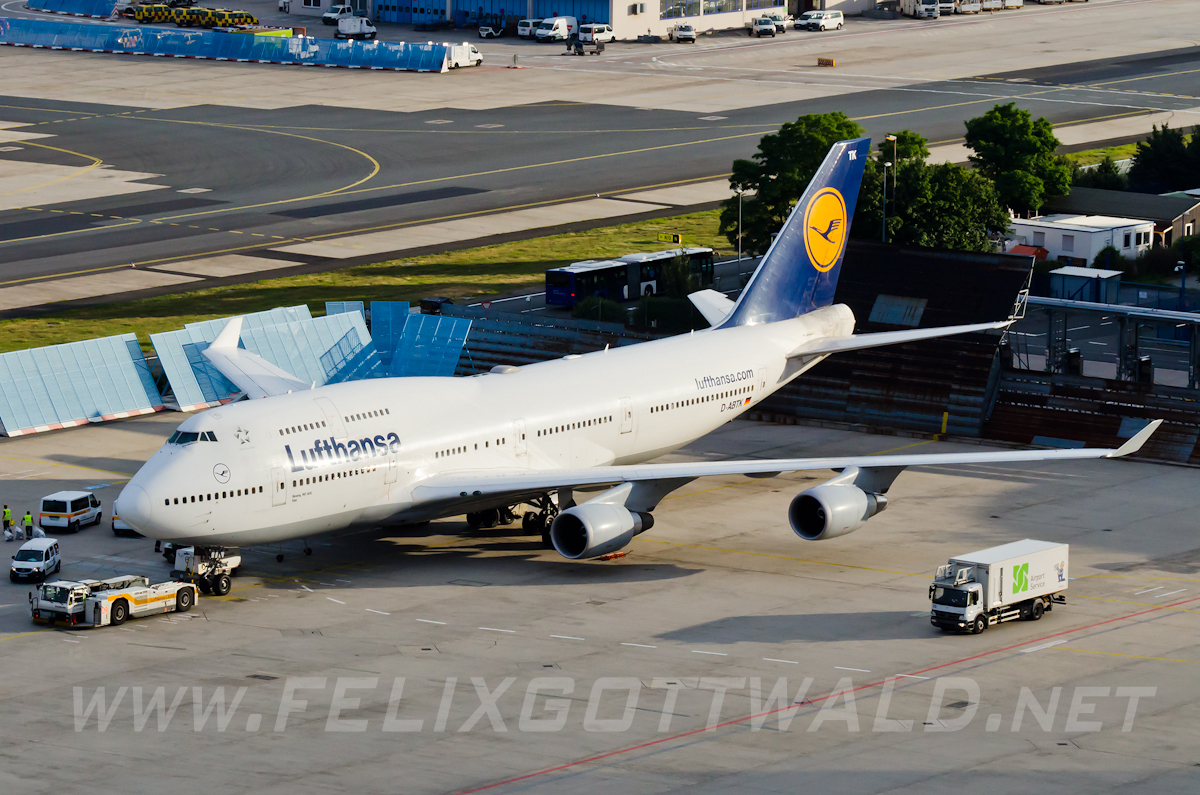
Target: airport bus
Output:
{"points": [[627, 278]]}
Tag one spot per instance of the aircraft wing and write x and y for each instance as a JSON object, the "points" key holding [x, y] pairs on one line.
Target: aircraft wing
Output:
{"points": [[248, 371], [827, 345], [482, 484]]}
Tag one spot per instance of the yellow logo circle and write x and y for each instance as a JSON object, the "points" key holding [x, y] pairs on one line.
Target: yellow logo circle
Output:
{"points": [[825, 228]]}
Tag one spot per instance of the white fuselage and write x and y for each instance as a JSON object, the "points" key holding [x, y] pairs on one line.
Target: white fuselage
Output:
{"points": [[324, 459]]}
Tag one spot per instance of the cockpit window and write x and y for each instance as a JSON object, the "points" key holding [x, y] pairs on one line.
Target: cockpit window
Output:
{"points": [[183, 437]]}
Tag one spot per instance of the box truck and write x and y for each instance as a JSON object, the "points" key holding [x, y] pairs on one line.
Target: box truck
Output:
{"points": [[1023, 579]]}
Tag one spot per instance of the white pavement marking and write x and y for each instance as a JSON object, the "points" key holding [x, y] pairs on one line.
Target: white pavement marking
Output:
{"points": [[195, 190], [566, 637], [380, 612], [912, 676], [493, 629], [34, 475], [331, 585], [1043, 646], [860, 670], [345, 580], [1169, 593], [789, 662], [339, 601], [124, 629], [639, 645], [428, 621], [714, 653], [305, 587], [1148, 590], [65, 640]]}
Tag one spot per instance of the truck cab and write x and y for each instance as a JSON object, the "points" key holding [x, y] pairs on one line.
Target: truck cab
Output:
{"points": [[957, 598], [336, 13]]}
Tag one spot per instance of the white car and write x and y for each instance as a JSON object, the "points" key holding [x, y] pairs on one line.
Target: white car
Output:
{"points": [[596, 32], [35, 560], [685, 33], [70, 510], [823, 20], [782, 23], [335, 13], [526, 27], [763, 26]]}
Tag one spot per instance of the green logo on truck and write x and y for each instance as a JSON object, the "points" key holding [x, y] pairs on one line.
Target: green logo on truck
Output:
{"points": [[1021, 578]]}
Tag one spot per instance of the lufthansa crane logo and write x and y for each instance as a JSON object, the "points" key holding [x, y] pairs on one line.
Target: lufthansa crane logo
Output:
{"points": [[221, 473], [825, 228]]}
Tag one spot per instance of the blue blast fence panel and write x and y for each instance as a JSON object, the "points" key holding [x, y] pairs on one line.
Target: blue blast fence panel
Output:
{"points": [[430, 345], [341, 307], [61, 386], [387, 323], [207, 44], [351, 360]]}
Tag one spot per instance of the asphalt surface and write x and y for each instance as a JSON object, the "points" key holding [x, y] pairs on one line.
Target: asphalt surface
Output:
{"points": [[278, 176]]}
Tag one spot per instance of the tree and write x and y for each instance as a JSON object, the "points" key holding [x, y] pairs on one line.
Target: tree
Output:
{"points": [[1110, 258], [775, 178], [1016, 152], [675, 278], [942, 206], [1163, 162], [1105, 175]]}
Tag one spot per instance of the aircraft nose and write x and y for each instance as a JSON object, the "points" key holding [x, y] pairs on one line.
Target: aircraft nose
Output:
{"points": [[134, 506]]}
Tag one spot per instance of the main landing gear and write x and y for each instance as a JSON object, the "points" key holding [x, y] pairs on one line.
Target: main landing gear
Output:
{"points": [[533, 522]]}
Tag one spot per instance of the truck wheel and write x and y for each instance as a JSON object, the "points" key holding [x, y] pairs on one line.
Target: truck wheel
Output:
{"points": [[980, 625], [183, 600], [1036, 613], [120, 612], [222, 585]]}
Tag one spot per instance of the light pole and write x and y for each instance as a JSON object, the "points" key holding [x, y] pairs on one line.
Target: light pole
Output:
{"points": [[883, 232], [739, 191], [895, 159], [1181, 268]]}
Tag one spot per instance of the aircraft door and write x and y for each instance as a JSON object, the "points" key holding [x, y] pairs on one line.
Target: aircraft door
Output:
{"points": [[626, 415], [519, 446], [333, 420], [393, 469], [761, 378], [279, 479]]}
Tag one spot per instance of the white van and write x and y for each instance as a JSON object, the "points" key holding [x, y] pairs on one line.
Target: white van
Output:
{"points": [[557, 29], [460, 55], [36, 560], [920, 9], [823, 20], [596, 32], [762, 26], [526, 27], [70, 510]]}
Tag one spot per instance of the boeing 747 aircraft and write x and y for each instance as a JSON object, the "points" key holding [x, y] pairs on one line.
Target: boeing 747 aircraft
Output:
{"points": [[292, 462]]}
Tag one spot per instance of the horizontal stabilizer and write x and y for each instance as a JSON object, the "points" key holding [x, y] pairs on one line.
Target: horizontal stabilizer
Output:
{"points": [[826, 345], [248, 371], [713, 305]]}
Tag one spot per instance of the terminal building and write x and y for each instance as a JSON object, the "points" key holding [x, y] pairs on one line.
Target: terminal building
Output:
{"points": [[628, 19]]}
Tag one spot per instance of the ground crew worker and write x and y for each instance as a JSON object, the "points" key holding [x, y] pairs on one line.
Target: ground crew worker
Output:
{"points": [[28, 520], [7, 517]]}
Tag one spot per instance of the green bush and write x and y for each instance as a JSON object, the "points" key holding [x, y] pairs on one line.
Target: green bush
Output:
{"points": [[601, 309]]}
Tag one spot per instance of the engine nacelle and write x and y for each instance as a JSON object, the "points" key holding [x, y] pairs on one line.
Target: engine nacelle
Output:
{"points": [[594, 529], [832, 510]]}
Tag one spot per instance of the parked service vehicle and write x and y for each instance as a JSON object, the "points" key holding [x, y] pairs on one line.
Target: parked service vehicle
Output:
{"points": [[285, 6], [556, 29], [491, 31], [527, 27], [121, 528], [824, 20], [70, 510], [36, 560], [208, 568], [684, 33], [98, 603], [920, 9], [1023, 579], [336, 13], [355, 28], [158, 12], [947, 8], [762, 27], [596, 32], [459, 55], [968, 6], [586, 47], [782, 23]]}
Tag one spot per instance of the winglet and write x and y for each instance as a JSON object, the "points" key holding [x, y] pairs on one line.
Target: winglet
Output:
{"points": [[230, 336], [1139, 439]]}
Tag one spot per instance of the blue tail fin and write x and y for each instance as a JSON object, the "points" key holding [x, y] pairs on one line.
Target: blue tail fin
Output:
{"points": [[800, 270]]}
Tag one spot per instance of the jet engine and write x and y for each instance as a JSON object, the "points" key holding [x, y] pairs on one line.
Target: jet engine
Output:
{"points": [[831, 510], [594, 529]]}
